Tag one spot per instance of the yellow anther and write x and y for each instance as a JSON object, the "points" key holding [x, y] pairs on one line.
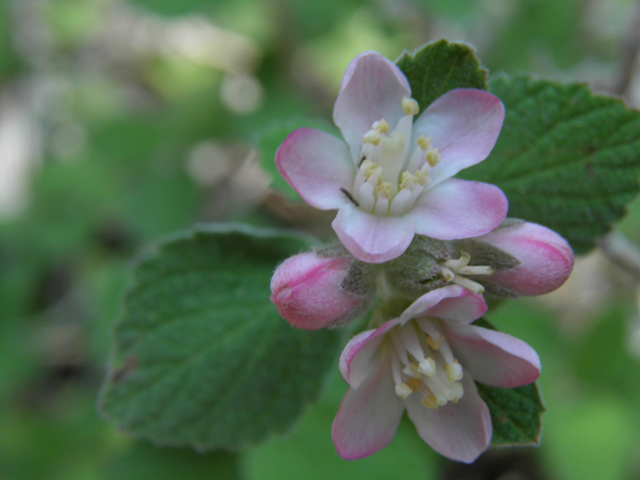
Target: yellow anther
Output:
{"points": [[366, 165], [384, 190], [422, 177], [430, 401], [373, 170], [434, 344], [372, 136], [414, 384], [403, 390], [408, 180], [410, 106], [454, 371], [414, 369], [381, 126], [432, 157], [424, 142]]}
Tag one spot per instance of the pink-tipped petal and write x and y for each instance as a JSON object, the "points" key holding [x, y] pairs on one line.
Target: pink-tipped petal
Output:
{"points": [[368, 417], [450, 303], [361, 354], [464, 308], [460, 431], [317, 165], [459, 209], [492, 357], [464, 125], [372, 88], [546, 259], [306, 290], [372, 238]]}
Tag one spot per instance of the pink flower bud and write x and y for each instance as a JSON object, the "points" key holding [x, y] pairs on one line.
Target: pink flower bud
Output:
{"points": [[307, 291]]}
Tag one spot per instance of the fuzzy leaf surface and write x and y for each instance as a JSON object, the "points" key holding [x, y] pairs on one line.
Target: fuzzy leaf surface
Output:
{"points": [[566, 158], [515, 414], [202, 357], [441, 66]]}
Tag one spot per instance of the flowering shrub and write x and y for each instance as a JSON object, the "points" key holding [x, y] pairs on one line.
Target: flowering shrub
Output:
{"points": [[420, 181]]}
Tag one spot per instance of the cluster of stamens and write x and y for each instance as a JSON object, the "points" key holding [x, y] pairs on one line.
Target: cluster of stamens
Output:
{"points": [[454, 270], [422, 363], [390, 178]]}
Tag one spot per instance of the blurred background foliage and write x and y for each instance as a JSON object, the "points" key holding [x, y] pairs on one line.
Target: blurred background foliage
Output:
{"points": [[121, 121]]}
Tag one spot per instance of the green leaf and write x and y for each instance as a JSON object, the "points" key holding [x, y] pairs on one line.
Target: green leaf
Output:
{"points": [[272, 137], [515, 413], [565, 158], [441, 66], [202, 358]]}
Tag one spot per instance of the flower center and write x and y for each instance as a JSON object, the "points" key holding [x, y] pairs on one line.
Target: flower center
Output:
{"points": [[390, 178], [454, 271], [422, 362]]}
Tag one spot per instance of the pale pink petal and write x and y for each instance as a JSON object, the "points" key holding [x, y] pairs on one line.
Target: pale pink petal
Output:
{"points": [[546, 259], [492, 357], [317, 165], [372, 238], [459, 431], [464, 125], [368, 417], [459, 209], [306, 290], [372, 88], [451, 303], [361, 354]]}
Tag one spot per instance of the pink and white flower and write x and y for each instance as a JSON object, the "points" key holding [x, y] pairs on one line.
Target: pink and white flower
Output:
{"points": [[392, 177], [426, 361]]}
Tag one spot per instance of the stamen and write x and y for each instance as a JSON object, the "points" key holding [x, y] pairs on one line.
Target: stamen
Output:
{"points": [[410, 106], [432, 157], [463, 261], [372, 136], [403, 390], [411, 342], [468, 284], [383, 190], [414, 384], [381, 126], [422, 177], [434, 344], [454, 371], [430, 401], [408, 180], [460, 267], [428, 367], [447, 274], [412, 370], [430, 329], [424, 142], [476, 270], [397, 343]]}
